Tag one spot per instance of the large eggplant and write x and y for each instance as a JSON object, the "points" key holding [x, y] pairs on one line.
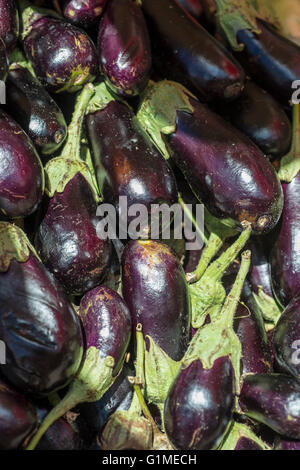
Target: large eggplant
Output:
{"points": [[21, 172], [225, 170], [63, 56], [39, 326], [184, 51], [124, 48], [34, 109], [9, 25], [84, 14]]}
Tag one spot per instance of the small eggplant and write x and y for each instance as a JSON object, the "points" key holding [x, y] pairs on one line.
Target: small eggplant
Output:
{"points": [[34, 109], [67, 239], [83, 14], [274, 400], [63, 56], [39, 326], [18, 418], [225, 170], [107, 327], [124, 48], [260, 117], [9, 25], [21, 171], [3, 63], [184, 51], [241, 437]]}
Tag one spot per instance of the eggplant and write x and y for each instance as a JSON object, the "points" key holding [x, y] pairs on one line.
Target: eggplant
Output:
{"points": [[185, 52], [69, 246], [3, 65], [241, 437], [22, 187], [107, 326], [124, 48], [225, 170], [258, 115], [63, 56], [83, 14], [9, 26], [60, 436], [285, 444], [34, 109], [18, 418], [274, 400], [38, 325], [124, 158], [193, 7]]}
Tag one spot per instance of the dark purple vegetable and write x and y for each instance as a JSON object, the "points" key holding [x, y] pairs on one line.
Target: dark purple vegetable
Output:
{"points": [[3, 66], [184, 51], [199, 405], [274, 400], [60, 436], [9, 25], [21, 172], [124, 48], [83, 13], [225, 170], [284, 444], [193, 7], [63, 56], [37, 323], [34, 109], [260, 273], [18, 418], [246, 444], [241, 437]]}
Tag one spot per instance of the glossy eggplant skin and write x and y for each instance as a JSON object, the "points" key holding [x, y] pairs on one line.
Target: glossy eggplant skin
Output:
{"points": [[193, 7], [63, 56], [34, 109], [9, 25], [225, 170], [260, 117], [245, 443], [250, 329], [274, 400], [155, 290], [199, 405], [40, 328], [21, 187], [107, 323], [185, 52], [286, 339], [260, 273], [3, 61], [124, 48], [285, 259], [60, 436], [124, 158], [67, 240], [271, 59], [83, 14], [18, 418]]}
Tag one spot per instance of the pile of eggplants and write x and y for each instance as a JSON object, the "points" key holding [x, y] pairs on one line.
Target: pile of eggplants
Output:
{"points": [[129, 339]]}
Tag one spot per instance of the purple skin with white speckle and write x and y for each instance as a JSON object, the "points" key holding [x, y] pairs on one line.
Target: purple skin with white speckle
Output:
{"points": [[62, 55], [244, 443], [67, 241], [199, 405], [9, 24], [156, 292], [124, 47], [284, 444], [84, 14], [21, 172], [107, 323], [274, 400]]}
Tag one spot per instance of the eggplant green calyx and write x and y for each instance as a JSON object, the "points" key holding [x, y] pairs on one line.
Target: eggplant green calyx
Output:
{"points": [[290, 163], [208, 294], [30, 14], [269, 308], [93, 379], [158, 109], [17, 59], [13, 245], [239, 431], [218, 338], [102, 97]]}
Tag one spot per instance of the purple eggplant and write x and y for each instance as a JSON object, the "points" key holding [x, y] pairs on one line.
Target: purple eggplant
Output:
{"points": [[274, 400], [260, 117], [60, 436], [37, 323], [34, 109], [63, 56], [285, 444], [84, 14], [193, 7], [107, 326], [18, 418], [124, 158], [3, 63], [225, 170], [67, 239], [9, 25], [21, 172], [241, 437], [124, 48], [184, 51]]}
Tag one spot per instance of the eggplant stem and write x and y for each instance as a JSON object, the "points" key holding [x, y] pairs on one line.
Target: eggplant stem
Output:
{"points": [[211, 249], [189, 214], [290, 163]]}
